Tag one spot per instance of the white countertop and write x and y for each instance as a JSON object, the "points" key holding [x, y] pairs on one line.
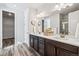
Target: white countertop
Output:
{"points": [[68, 40]]}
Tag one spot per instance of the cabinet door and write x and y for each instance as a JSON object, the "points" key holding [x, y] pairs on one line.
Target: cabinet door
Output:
{"points": [[49, 49], [41, 49], [31, 41], [62, 52], [36, 43], [41, 46]]}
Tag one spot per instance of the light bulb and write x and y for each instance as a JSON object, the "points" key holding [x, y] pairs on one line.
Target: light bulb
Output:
{"points": [[57, 6], [61, 4]]}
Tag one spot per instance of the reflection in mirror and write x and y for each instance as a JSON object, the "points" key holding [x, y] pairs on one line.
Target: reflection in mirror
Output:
{"points": [[42, 25], [46, 26], [64, 23], [47, 23], [8, 28]]}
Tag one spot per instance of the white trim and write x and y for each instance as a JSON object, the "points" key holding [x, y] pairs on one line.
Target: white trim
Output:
{"points": [[9, 10]]}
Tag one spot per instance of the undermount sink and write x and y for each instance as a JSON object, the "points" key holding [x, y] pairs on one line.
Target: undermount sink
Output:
{"points": [[66, 38]]}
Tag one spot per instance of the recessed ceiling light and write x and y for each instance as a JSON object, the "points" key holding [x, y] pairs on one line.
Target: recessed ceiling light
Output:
{"points": [[56, 6], [62, 5], [70, 4]]}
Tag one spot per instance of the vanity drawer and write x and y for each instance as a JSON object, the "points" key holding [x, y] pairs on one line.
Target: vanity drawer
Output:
{"points": [[41, 40]]}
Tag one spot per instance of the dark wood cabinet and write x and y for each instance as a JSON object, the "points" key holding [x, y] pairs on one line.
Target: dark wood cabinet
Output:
{"points": [[78, 51], [35, 40], [31, 41], [63, 52], [48, 47], [41, 46]]}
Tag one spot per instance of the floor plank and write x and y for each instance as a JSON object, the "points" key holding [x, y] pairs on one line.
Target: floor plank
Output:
{"points": [[19, 50]]}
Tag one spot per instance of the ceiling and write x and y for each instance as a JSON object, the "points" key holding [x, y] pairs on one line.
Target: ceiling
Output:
{"points": [[40, 7], [74, 7], [48, 7]]}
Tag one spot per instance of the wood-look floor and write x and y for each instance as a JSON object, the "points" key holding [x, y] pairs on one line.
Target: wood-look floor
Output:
{"points": [[19, 50]]}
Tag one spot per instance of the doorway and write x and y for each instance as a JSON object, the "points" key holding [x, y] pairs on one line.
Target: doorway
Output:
{"points": [[8, 28]]}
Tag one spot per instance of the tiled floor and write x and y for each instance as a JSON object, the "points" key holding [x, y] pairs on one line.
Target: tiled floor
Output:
{"points": [[8, 42], [19, 50]]}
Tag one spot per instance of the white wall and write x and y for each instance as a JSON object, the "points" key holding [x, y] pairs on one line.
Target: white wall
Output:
{"points": [[0, 29], [19, 26], [26, 24], [19, 23], [73, 20]]}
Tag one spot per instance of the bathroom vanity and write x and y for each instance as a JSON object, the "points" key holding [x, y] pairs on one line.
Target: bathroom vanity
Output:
{"points": [[48, 44], [52, 46]]}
